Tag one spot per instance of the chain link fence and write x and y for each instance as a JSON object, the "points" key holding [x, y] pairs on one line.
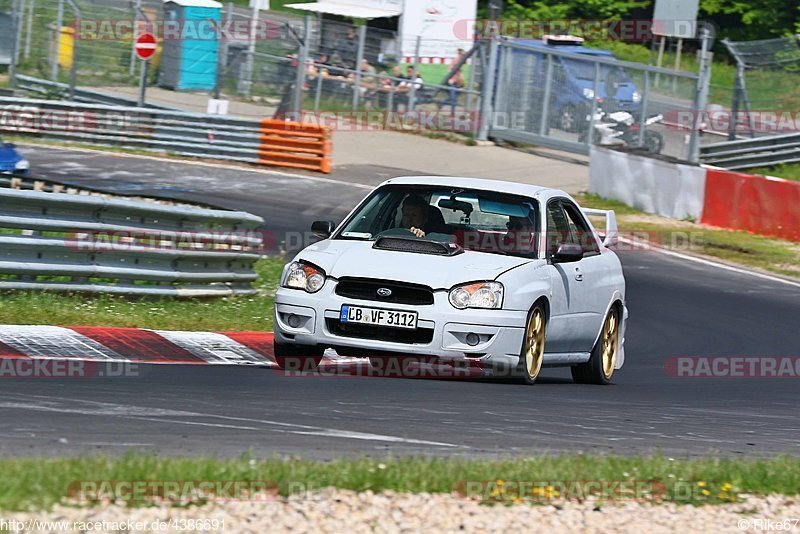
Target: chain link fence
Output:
{"points": [[275, 64], [571, 97]]}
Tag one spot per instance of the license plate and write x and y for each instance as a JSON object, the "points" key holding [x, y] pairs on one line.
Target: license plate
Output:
{"points": [[378, 317]]}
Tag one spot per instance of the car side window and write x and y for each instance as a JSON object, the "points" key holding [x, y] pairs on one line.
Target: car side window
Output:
{"points": [[558, 230], [580, 228]]}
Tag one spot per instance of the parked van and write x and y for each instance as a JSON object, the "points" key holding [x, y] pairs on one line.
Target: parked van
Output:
{"points": [[572, 88]]}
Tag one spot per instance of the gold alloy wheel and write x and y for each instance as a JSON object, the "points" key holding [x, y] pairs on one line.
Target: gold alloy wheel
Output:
{"points": [[610, 344], [534, 344]]}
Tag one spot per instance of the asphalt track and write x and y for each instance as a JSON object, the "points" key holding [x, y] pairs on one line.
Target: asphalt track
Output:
{"points": [[677, 308]]}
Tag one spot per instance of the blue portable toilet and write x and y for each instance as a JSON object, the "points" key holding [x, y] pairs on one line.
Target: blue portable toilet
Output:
{"points": [[190, 47]]}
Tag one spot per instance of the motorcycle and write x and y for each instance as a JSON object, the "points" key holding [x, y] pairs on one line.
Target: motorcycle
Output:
{"points": [[620, 128]]}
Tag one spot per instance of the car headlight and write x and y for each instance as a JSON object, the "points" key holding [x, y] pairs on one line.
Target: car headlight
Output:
{"points": [[588, 93], [636, 96], [304, 276], [477, 295], [22, 165]]}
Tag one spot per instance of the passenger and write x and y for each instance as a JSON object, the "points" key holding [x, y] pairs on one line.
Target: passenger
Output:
{"points": [[520, 235]]}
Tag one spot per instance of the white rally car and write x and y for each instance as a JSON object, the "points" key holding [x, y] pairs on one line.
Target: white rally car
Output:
{"points": [[509, 276]]}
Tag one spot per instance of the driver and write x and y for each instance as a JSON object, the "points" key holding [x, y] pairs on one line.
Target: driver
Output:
{"points": [[420, 217]]}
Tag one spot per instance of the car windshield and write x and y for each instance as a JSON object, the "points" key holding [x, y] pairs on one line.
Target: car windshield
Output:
{"points": [[475, 220]]}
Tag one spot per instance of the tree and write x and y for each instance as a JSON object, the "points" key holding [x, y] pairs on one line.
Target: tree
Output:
{"points": [[753, 19], [737, 19]]}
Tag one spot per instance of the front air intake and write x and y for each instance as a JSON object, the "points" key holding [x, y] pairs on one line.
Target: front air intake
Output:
{"points": [[418, 246]]}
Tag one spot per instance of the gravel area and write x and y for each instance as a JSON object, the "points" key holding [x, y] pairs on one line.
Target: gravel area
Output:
{"points": [[346, 511]]}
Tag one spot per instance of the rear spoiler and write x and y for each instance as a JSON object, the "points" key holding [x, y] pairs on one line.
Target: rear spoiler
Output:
{"points": [[611, 235]]}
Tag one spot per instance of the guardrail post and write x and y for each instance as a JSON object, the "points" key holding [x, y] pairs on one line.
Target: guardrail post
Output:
{"points": [[593, 109], [548, 82], [645, 105], [57, 37], [487, 92], [29, 28], [73, 71], [412, 92], [251, 52], [17, 9], [701, 95], [362, 39], [302, 59]]}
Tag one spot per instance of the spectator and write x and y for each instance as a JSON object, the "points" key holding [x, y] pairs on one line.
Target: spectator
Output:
{"points": [[455, 83], [368, 73], [348, 48]]}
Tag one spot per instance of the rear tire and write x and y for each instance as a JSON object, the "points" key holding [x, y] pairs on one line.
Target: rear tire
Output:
{"points": [[298, 357], [600, 367], [653, 142], [532, 353]]}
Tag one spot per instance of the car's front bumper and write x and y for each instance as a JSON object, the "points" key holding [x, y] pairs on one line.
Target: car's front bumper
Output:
{"points": [[446, 328]]}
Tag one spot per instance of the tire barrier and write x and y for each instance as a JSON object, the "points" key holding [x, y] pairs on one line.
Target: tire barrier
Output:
{"points": [[296, 145]]}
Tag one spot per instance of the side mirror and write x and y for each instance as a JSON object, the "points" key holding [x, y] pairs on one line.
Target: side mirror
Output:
{"points": [[322, 229], [568, 253]]}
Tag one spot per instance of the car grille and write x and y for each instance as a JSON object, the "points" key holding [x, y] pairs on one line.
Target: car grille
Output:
{"points": [[380, 333], [367, 289]]}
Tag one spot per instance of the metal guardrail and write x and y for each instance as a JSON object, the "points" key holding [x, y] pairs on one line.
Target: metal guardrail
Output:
{"points": [[93, 244], [176, 132], [749, 153], [44, 88]]}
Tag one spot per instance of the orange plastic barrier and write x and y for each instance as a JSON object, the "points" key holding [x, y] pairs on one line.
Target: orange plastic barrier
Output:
{"points": [[296, 145], [753, 203]]}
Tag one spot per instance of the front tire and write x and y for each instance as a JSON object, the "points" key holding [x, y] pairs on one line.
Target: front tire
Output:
{"points": [[568, 119], [297, 357], [532, 354], [600, 367]]}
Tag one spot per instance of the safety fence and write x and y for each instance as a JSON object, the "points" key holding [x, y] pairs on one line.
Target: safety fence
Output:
{"points": [[713, 196], [572, 97], [62, 242], [181, 133]]}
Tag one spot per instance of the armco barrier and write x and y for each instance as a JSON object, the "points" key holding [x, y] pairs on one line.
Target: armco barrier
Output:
{"points": [[649, 184], [85, 243], [175, 132], [768, 206], [294, 144]]}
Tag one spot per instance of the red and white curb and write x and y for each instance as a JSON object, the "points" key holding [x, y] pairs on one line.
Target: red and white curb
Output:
{"points": [[104, 344], [138, 345]]}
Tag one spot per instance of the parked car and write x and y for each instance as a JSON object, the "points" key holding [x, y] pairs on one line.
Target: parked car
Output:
{"points": [[573, 85], [11, 161], [509, 276]]}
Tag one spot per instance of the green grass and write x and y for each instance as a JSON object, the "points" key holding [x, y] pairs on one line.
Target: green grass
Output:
{"points": [[253, 312], [39, 483], [789, 171], [752, 250]]}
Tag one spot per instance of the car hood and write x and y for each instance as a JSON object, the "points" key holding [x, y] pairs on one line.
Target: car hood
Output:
{"points": [[340, 258]]}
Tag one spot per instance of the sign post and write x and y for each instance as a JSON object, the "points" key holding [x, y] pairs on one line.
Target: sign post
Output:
{"points": [[145, 49]]}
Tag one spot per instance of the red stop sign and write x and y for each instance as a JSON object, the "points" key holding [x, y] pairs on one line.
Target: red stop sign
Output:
{"points": [[145, 46]]}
